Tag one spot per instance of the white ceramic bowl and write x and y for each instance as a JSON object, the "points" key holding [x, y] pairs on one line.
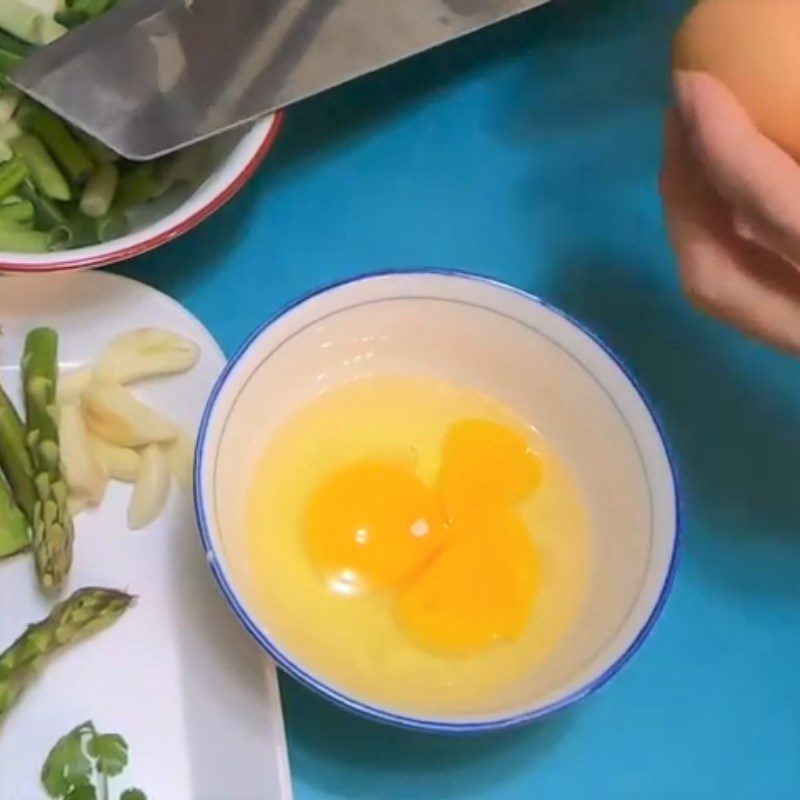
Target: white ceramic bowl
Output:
{"points": [[514, 347], [236, 156]]}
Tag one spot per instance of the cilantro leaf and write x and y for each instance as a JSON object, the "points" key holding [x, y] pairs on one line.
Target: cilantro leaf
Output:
{"points": [[67, 766], [86, 792], [133, 794], [110, 752]]}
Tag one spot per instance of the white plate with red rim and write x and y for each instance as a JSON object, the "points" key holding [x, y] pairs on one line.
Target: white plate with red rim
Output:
{"points": [[175, 676], [236, 156]]}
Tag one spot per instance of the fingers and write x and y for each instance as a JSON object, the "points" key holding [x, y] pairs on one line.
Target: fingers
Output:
{"points": [[758, 179], [732, 279]]}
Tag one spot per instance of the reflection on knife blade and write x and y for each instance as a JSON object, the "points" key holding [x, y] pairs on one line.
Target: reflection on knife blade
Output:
{"points": [[151, 77]]}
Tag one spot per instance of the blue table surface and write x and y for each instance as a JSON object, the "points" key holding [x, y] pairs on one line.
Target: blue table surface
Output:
{"points": [[530, 152]]}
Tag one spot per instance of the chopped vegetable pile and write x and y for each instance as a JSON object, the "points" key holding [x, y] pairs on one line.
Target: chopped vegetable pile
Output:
{"points": [[59, 188]]}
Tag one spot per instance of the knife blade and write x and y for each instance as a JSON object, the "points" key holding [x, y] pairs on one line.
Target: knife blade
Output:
{"points": [[152, 76]]}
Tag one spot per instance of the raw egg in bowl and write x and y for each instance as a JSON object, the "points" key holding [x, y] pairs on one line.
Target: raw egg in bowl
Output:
{"points": [[437, 501]]}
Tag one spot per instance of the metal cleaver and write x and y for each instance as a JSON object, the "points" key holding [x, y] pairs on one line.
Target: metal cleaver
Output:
{"points": [[152, 76]]}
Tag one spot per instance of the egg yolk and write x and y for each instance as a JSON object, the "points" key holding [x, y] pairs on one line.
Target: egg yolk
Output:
{"points": [[485, 465], [477, 592], [373, 525], [460, 558]]}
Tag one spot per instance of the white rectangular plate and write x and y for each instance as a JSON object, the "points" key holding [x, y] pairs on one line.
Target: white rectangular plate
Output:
{"points": [[176, 676]]}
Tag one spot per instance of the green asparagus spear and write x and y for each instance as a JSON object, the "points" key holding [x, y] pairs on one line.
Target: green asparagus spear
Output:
{"points": [[46, 214], [19, 240], [112, 226], [51, 531], [84, 613], [9, 61], [14, 457], [93, 8], [21, 211], [80, 11], [16, 225], [70, 153], [136, 186], [13, 525], [98, 151], [70, 18], [99, 192], [12, 174], [77, 230], [46, 176], [8, 42]]}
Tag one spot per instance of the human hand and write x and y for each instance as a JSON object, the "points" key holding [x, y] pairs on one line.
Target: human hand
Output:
{"points": [[732, 205]]}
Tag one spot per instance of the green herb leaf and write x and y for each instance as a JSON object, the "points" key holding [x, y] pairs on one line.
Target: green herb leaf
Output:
{"points": [[68, 767], [86, 792], [133, 794], [110, 752]]}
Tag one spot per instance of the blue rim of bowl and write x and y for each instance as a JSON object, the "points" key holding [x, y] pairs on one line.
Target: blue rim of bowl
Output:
{"points": [[340, 698]]}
